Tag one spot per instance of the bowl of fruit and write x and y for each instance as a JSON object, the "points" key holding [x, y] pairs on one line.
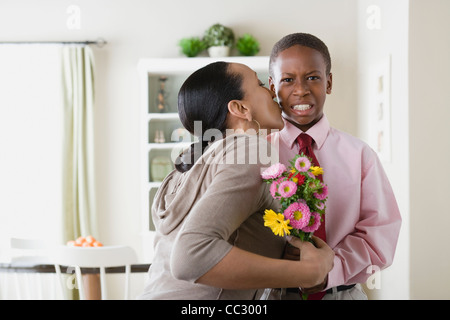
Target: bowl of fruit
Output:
{"points": [[85, 242]]}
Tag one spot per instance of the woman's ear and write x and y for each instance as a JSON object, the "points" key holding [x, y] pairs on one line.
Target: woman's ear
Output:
{"points": [[239, 110]]}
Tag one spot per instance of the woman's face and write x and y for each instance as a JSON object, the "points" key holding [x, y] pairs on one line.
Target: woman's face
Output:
{"points": [[259, 99]]}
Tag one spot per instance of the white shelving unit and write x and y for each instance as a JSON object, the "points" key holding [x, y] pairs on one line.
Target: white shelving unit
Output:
{"points": [[176, 70]]}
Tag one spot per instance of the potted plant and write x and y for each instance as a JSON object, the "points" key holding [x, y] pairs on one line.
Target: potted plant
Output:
{"points": [[219, 39], [247, 45], [191, 47]]}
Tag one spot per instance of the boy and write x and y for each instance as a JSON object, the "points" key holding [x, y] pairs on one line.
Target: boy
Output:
{"points": [[362, 220]]}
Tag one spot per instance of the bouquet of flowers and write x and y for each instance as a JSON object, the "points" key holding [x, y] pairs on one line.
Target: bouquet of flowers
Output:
{"points": [[302, 196]]}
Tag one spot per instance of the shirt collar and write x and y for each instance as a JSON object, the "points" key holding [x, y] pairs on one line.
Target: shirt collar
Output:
{"points": [[318, 132]]}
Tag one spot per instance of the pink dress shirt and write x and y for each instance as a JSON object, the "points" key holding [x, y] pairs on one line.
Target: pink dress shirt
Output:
{"points": [[362, 219]]}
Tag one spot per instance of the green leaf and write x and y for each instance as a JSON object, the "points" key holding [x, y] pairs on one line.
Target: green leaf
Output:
{"points": [[218, 35], [191, 47], [247, 45]]}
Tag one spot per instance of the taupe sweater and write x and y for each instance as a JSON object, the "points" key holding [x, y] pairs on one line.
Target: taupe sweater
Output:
{"points": [[201, 214]]}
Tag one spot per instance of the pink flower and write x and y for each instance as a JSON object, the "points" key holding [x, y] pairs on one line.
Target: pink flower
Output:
{"points": [[302, 164], [314, 223], [322, 193], [274, 188], [274, 171], [320, 205], [298, 214], [287, 188]]}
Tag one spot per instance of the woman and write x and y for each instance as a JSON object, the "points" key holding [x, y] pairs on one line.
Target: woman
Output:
{"points": [[211, 242]]}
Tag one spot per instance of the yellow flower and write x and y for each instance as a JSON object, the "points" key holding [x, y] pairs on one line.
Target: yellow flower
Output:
{"points": [[316, 170], [277, 223]]}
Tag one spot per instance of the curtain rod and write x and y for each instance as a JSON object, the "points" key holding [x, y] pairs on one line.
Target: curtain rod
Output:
{"points": [[99, 43]]}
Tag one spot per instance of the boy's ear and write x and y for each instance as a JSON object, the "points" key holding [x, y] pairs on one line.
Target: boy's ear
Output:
{"points": [[272, 85], [238, 109], [329, 83]]}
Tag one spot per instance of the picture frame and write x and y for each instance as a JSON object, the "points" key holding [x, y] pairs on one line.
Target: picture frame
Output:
{"points": [[380, 99]]}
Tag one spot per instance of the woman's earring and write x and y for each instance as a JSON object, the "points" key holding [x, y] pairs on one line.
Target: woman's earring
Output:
{"points": [[259, 127]]}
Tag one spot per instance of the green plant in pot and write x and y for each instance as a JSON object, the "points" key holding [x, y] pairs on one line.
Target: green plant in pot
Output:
{"points": [[191, 47], [247, 45], [218, 39]]}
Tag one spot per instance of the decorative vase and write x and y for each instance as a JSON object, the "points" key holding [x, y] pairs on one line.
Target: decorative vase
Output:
{"points": [[159, 136], [219, 51], [160, 167], [161, 103]]}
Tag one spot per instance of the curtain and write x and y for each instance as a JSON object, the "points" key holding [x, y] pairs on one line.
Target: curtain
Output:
{"points": [[79, 207]]}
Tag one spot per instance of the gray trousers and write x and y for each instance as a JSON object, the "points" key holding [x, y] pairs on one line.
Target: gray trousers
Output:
{"points": [[355, 293]]}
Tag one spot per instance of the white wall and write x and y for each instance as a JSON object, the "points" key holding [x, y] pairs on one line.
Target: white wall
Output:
{"points": [[429, 97], [376, 43], [135, 29], [415, 35]]}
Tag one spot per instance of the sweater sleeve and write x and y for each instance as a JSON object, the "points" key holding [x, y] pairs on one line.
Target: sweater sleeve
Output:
{"points": [[235, 192]]}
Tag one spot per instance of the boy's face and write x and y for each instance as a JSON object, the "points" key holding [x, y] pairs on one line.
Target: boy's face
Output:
{"points": [[301, 85]]}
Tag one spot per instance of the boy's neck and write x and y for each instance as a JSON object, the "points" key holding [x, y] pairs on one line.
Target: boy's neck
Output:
{"points": [[304, 127]]}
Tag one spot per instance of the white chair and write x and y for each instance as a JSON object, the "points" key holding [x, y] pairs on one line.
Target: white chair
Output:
{"points": [[29, 250], [94, 257], [25, 254]]}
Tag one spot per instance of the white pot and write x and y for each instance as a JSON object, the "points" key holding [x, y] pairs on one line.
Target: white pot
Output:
{"points": [[219, 51]]}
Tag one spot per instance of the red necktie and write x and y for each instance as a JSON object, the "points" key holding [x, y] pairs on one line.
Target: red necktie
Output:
{"points": [[305, 144]]}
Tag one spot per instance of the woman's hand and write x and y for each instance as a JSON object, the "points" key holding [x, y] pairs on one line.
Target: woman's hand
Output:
{"points": [[240, 269], [319, 254], [291, 252]]}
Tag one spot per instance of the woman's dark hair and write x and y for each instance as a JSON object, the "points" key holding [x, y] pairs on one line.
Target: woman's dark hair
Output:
{"points": [[203, 107], [301, 39]]}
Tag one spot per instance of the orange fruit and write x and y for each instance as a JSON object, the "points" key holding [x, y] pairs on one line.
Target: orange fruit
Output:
{"points": [[90, 239], [97, 244], [80, 240]]}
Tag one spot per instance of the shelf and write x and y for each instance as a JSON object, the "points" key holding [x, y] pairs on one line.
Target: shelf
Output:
{"points": [[152, 185], [175, 66], [163, 116], [154, 125], [169, 127], [168, 145]]}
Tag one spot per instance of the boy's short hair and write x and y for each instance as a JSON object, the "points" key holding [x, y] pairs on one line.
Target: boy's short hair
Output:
{"points": [[302, 39]]}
